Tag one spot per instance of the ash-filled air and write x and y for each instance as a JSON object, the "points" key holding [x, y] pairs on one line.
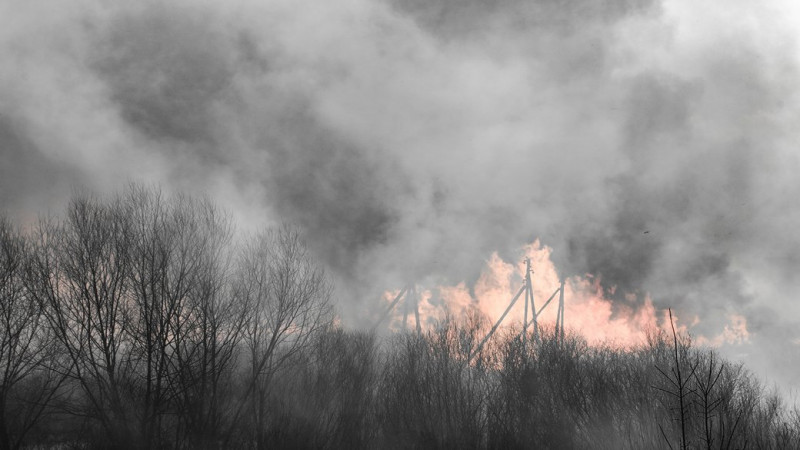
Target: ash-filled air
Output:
{"points": [[651, 144]]}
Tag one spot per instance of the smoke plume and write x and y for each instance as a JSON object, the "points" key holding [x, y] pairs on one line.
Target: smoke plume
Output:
{"points": [[648, 143]]}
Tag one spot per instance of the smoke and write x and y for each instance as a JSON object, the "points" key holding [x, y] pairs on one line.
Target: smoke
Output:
{"points": [[650, 144]]}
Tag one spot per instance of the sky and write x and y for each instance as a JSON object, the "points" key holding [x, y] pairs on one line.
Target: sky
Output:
{"points": [[644, 149]]}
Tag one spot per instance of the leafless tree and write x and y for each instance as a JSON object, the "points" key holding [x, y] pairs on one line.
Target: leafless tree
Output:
{"points": [[170, 336], [208, 328], [79, 275], [707, 398], [182, 322], [288, 298], [679, 386], [26, 382]]}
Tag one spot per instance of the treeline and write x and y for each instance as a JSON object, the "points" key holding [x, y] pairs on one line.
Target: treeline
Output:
{"points": [[138, 322], [142, 321]]}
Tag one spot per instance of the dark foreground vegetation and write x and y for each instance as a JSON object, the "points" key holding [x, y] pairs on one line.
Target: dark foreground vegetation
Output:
{"points": [[141, 322]]}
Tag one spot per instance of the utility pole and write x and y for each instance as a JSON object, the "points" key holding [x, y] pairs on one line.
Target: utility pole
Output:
{"points": [[527, 287], [525, 317], [496, 325], [411, 301], [529, 297], [560, 315]]}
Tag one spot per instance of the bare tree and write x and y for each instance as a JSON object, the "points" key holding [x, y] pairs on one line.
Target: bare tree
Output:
{"points": [[183, 323], [156, 295], [169, 336], [26, 382], [79, 275], [207, 330], [707, 399], [288, 299], [678, 387]]}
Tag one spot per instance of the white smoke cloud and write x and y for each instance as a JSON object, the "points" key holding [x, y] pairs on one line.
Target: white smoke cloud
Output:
{"points": [[649, 143]]}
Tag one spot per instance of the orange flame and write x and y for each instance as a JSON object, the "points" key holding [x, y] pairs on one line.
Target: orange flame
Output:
{"points": [[587, 311]]}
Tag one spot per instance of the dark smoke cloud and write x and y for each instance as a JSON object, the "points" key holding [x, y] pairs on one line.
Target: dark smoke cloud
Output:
{"points": [[23, 168], [649, 143]]}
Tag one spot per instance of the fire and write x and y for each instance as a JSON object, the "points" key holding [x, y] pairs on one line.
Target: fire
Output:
{"points": [[587, 310], [734, 333]]}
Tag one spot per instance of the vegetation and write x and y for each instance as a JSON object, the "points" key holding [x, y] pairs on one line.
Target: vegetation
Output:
{"points": [[140, 322]]}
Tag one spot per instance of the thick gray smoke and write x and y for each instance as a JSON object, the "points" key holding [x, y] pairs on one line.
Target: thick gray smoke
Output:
{"points": [[650, 143]]}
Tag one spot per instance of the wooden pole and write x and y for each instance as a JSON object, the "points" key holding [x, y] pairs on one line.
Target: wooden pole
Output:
{"points": [[529, 286], [405, 307], [414, 296], [525, 317], [561, 311], [390, 308], [494, 328]]}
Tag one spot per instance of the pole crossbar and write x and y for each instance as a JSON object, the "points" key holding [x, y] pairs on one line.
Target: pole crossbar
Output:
{"points": [[548, 301], [527, 324]]}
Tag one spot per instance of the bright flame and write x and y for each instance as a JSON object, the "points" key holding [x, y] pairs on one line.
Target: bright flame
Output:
{"points": [[734, 333], [587, 311]]}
